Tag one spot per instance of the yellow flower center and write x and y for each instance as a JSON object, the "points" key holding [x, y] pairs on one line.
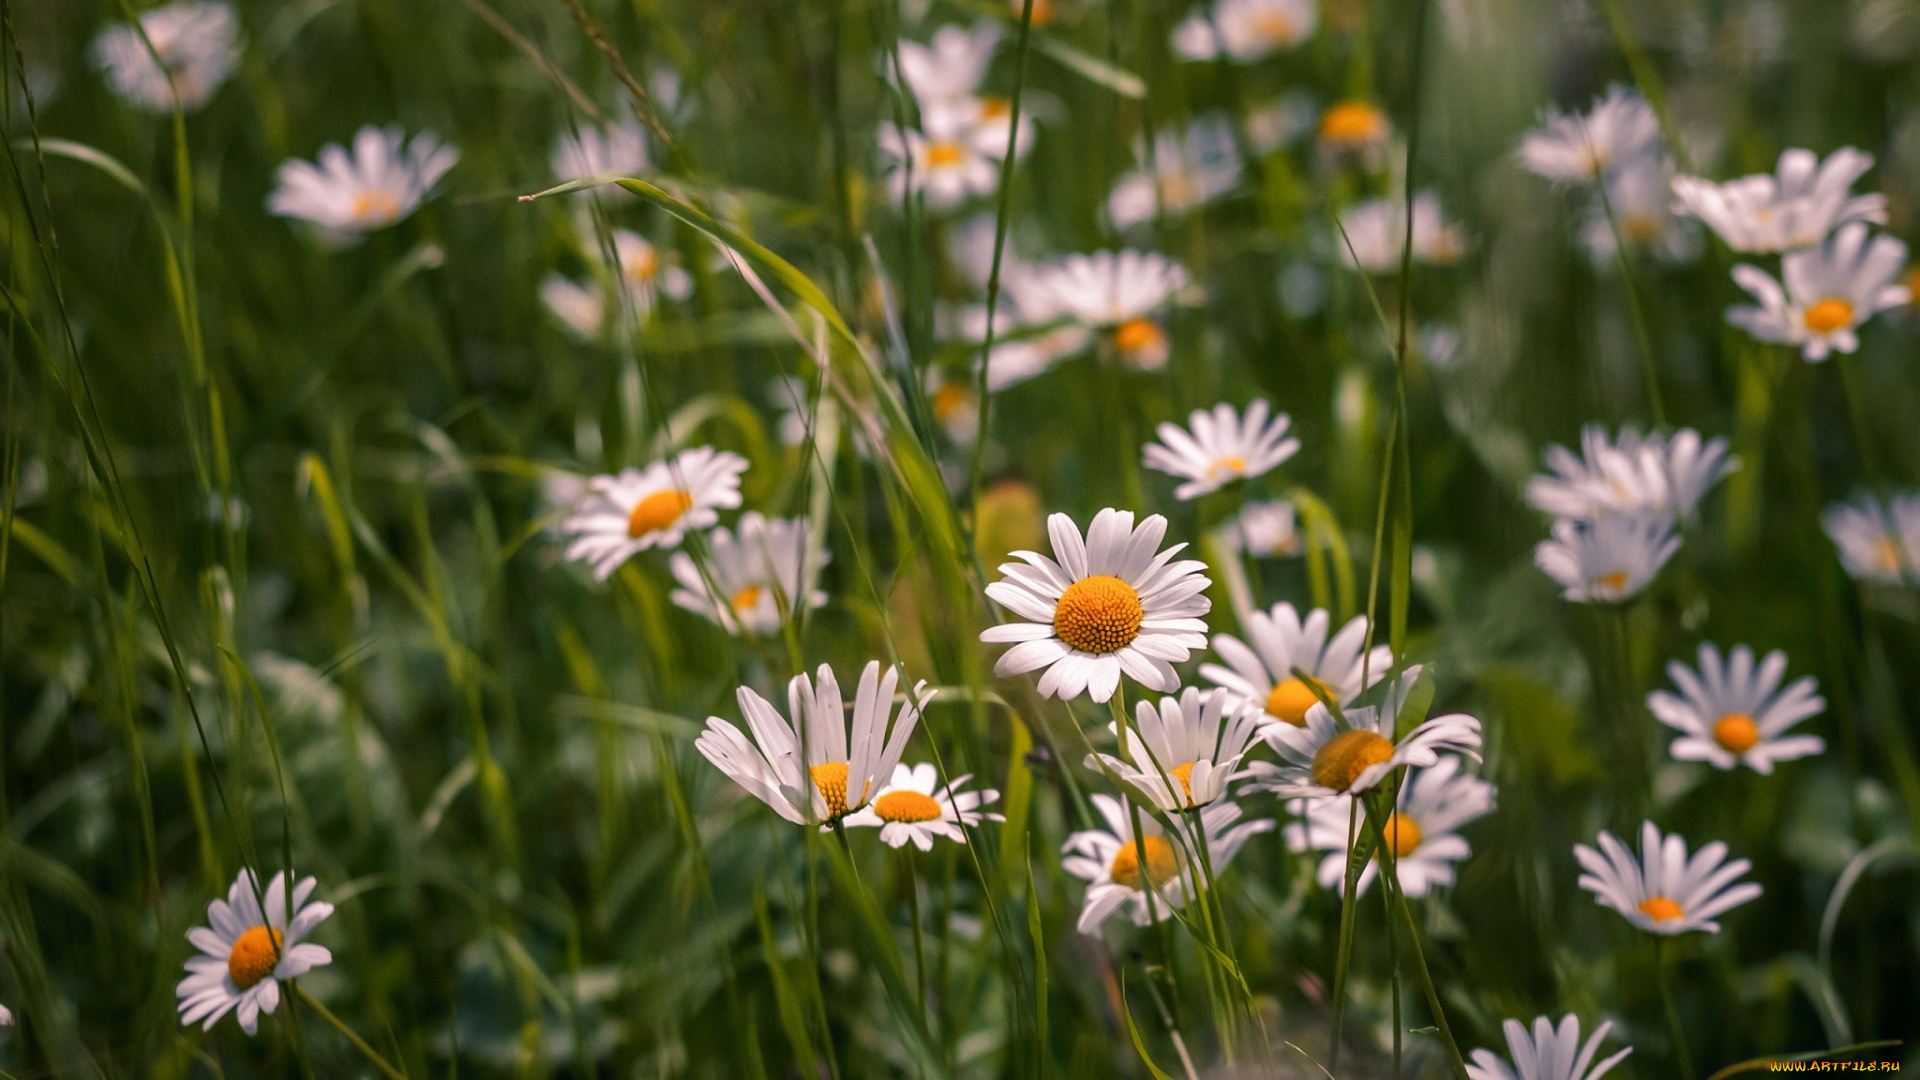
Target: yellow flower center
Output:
{"points": [[1273, 26], [1829, 315], [1137, 334], [1161, 864], [1615, 582], [1640, 228], [1098, 614], [1736, 733], [643, 265], [1661, 909], [1290, 700], [746, 598], [948, 400], [1176, 187], [1184, 773], [255, 953], [374, 207], [995, 107], [907, 806], [944, 154], [1886, 555], [1403, 835], [1345, 756], [1230, 464], [657, 511], [831, 779], [1042, 11], [1352, 124]]}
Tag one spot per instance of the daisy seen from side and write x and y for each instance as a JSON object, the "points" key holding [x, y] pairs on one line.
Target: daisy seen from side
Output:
{"points": [[638, 509], [754, 572], [1184, 753], [1794, 207], [1422, 830], [914, 807], [1664, 891], [245, 952], [1878, 542], [1655, 473], [381, 181], [1109, 860], [197, 45], [1373, 233], [1607, 560], [1549, 1053], [1351, 752], [1117, 294], [1221, 446], [1184, 172], [1264, 672], [1583, 147], [1245, 30], [611, 149]]}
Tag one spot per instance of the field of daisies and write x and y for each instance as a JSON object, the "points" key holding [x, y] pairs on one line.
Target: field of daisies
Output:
{"points": [[840, 539]]}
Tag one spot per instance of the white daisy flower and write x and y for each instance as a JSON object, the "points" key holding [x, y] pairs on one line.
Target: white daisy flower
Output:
{"points": [[1247, 30], [1116, 294], [1110, 603], [1028, 337], [198, 45], [6, 1021], [1222, 447], [1652, 474], [1608, 559], [1830, 291], [380, 182], [578, 307], [1184, 173], [1663, 891], [1582, 147], [945, 163], [644, 278], [1264, 529], [1877, 542], [1639, 192], [1282, 642], [640, 509], [614, 149], [915, 807], [1350, 753], [1109, 860], [811, 774], [245, 953], [1795, 207], [1729, 713], [954, 404], [751, 572], [1376, 229], [1421, 830], [951, 66], [1197, 738], [1549, 1054]]}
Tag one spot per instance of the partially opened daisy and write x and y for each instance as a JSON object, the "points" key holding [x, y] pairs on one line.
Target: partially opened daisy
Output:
{"points": [[809, 769], [1375, 231], [1112, 602], [1607, 559], [1222, 447], [1282, 642], [1183, 173], [198, 45], [1550, 1053], [1421, 830], [1664, 891], [381, 181], [1350, 753], [1583, 147], [1656, 474], [1109, 860], [1830, 291], [245, 952], [613, 149], [1185, 753], [752, 574], [1116, 293], [915, 807], [653, 507], [1878, 542], [1794, 207], [1730, 713]]}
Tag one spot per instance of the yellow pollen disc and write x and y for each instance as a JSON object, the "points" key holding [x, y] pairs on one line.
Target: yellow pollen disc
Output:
{"points": [[1184, 773], [254, 955], [1231, 464], [1640, 228], [643, 266], [1136, 334], [831, 779], [1291, 699], [746, 598], [1829, 315], [994, 107], [1176, 188], [906, 806], [1403, 835], [374, 207], [1042, 12], [1736, 733], [1345, 756], [1886, 555], [1161, 865], [1352, 124], [1913, 284], [657, 511], [1613, 583], [1273, 26], [1098, 614], [948, 400], [1660, 909], [944, 154]]}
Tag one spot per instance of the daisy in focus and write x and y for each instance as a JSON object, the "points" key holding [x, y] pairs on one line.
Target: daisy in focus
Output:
{"points": [[1264, 673], [1351, 753], [1245, 30], [1878, 542], [1652, 474], [1608, 559], [615, 149], [1795, 207], [1109, 861], [1117, 294], [382, 181], [1550, 1053], [753, 573], [1830, 291], [1182, 174], [1730, 713], [811, 771], [1664, 891], [1584, 147], [915, 808], [1375, 231], [1108, 603], [653, 507], [1222, 447], [198, 45], [244, 952], [1421, 830], [1185, 753]]}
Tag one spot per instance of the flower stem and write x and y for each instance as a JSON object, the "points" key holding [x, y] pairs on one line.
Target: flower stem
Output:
{"points": [[340, 1025], [1665, 965], [1390, 872]]}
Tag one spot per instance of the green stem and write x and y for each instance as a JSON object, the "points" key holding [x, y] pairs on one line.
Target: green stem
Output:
{"points": [[1665, 964], [359, 1043], [1649, 370], [1345, 955], [1389, 870]]}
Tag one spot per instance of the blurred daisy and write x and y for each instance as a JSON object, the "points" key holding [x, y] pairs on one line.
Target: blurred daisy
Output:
{"points": [[1795, 207], [1282, 642], [1222, 447], [1279, 122], [830, 776], [198, 45], [1265, 529], [1878, 542], [1728, 713], [1607, 559], [1029, 336], [1246, 30], [1111, 603], [1182, 174], [1831, 290], [1351, 753], [751, 573], [1433, 803], [1549, 1054], [1196, 740], [644, 278], [1653, 474], [1376, 230], [1109, 860], [1116, 294], [915, 807], [244, 953], [1582, 147], [955, 406], [578, 307], [6, 1021], [380, 182], [944, 164], [1354, 127], [1639, 193], [950, 67], [1663, 891], [616, 149], [640, 509]]}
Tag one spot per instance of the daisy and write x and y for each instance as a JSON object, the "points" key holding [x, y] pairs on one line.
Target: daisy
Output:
{"points": [[825, 781], [1421, 829], [1549, 1054], [1276, 124], [380, 182], [1795, 207], [1246, 30], [1352, 752], [6, 1021], [1729, 713], [1109, 860], [1354, 127], [1110, 603], [198, 45], [1582, 147], [1830, 290], [654, 507], [950, 67], [1197, 738], [1182, 174], [1638, 192], [1265, 529], [1653, 474], [1608, 559], [1264, 674], [1116, 294], [246, 953], [1373, 232], [1029, 336], [955, 406], [1663, 891], [750, 575], [945, 164], [915, 807], [615, 149], [1878, 542], [1223, 447]]}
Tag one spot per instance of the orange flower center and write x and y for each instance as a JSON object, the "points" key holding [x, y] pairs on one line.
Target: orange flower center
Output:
{"points": [[1290, 700], [374, 207], [1615, 583], [907, 806], [1886, 555], [948, 400], [1345, 756], [831, 779], [1640, 228], [657, 511], [944, 154], [1232, 463], [995, 107], [642, 265], [746, 598], [1273, 26], [1137, 334], [1161, 864], [1736, 733], [1042, 11], [1660, 909], [254, 956], [1350, 124], [1403, 835], [1098, 614], [1829, 315]]}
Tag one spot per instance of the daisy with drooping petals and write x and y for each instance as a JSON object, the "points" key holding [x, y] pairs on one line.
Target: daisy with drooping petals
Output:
{"points": [[1196, 739], [1109, 860], [809, 771], [1654, 473], [1795, 207], [1420, 831], [615, 149], [1282, 641], [752, 573], [1350, 753], [1607, 559], [1245, 30], [1731, 713], [198, 45], [1549, 1054], [1223, 447], [244, 952], [1830, 291], [1116, 293], [1663, 891], [1112, 602], [1877, 542], [1583, 147], [652, 507], [1182, 174], [915, 807], [1374, 231], [347, 194]]}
